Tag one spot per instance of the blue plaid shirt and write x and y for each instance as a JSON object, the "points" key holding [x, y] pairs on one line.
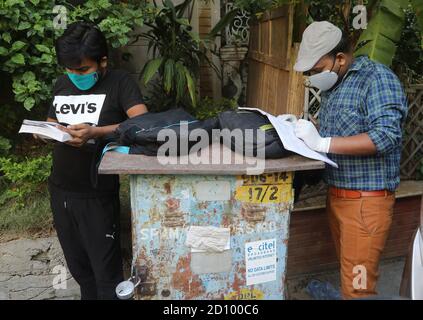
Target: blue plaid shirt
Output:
{"points": [[370, 99]]}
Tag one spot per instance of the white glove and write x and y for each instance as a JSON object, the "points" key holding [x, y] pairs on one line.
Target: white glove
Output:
{"points": [[306, 131]]}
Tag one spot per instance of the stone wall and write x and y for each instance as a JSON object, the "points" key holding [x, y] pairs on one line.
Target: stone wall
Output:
{"points": [[28, 269]]}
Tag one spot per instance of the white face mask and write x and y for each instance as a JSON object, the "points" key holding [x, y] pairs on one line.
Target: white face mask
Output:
{"points": [[324, 80]]}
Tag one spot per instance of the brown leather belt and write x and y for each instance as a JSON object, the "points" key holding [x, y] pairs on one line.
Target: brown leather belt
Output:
{"points": [[356, 194]]}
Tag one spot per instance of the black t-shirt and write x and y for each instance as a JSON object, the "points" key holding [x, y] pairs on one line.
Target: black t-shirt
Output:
{"points": [[104, 104]]}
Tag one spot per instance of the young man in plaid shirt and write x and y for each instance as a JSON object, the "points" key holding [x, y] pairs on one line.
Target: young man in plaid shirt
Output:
{"points": [[362, 110]]}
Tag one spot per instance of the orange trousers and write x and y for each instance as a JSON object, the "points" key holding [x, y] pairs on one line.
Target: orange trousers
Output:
{"points": [[359, 228]]}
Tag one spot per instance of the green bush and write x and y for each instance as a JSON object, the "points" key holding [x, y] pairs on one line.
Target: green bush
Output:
{"points": [[21, 179], [4, 146], [27, 35], [209, 108], [177, 54]]}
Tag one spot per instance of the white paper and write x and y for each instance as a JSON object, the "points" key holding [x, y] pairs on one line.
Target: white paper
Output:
{"points": [[45, 129], [208, 239], [290, 141], [213, 191], [260, 261]]}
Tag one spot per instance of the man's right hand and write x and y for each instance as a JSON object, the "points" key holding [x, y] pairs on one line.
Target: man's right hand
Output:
{"points": [[306, 131]]}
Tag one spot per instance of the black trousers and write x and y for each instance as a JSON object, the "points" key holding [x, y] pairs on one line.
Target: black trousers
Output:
{"points": [[89, 233]]}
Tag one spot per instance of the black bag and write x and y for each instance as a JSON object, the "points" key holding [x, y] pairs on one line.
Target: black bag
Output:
{"points": [[141, 132], [271, 147]]}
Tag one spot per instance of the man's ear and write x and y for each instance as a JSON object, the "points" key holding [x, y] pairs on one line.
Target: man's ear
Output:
{"points": [[103, 62], [341, 58]]}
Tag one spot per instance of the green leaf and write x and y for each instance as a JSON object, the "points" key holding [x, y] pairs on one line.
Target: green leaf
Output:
{"points": [[42, 48], [23, 25], [39, 27], [139, 21], [7, 37], [150, 69], [18, 45], [46, 58], [34, 60], [181, 8], [183, 21], [180, 80], [195, 36], [103, 4], [18, 59], [191, 87], [3, 51], [379, 41], [29, 103], [123, 41], [168, 74], [170, 5], [28, 76], [11, 3]]}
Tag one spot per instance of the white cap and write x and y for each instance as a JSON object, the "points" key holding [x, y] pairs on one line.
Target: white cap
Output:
{"points": [[319, 38]]}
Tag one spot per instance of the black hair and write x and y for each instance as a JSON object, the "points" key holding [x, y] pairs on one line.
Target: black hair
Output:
{"points": [[344, 46], [80, 40]]}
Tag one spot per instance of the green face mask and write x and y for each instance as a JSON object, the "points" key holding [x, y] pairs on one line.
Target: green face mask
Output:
{"points": [[84, 81]]}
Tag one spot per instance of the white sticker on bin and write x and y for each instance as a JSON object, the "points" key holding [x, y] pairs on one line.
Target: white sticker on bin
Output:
{"points": [[208, 239], [213, 191], [260, 261]]}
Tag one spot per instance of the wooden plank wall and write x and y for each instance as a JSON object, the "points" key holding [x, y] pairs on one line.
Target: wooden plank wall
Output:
{"points": [[311, 249], [296, 89], [206, 15], [272, 84], [204, 28]]}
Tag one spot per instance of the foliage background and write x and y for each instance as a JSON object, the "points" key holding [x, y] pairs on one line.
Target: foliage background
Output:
{"points": [[28, 69]]}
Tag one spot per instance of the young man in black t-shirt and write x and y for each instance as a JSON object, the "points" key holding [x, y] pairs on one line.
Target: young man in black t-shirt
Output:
{"points": [[90, 101]]}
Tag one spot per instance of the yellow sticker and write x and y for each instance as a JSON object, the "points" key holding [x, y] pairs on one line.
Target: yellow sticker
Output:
{"points": [[245, 294], [267, 178], [276, 193], [265, 188]]}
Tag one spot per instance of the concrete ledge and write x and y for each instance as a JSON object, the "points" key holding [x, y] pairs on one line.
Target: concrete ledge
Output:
{"points": [[117, 163]]}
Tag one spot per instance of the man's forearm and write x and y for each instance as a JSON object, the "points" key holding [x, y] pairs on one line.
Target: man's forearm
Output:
{"points": [[102, 131], [359, 145]]}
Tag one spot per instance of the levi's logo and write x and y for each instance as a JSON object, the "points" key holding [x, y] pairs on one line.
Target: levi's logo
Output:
{"points": [[82, 108], [79, 109]]}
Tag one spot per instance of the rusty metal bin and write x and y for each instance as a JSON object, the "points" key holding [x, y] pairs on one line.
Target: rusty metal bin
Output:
{"points": [[171, 205]]}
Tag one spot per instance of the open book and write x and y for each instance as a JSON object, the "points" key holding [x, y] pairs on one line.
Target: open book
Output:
{"points": [[45, 129]]}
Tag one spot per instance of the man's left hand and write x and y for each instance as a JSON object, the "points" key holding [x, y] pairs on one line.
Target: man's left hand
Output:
{"points": [[81, 133]]}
